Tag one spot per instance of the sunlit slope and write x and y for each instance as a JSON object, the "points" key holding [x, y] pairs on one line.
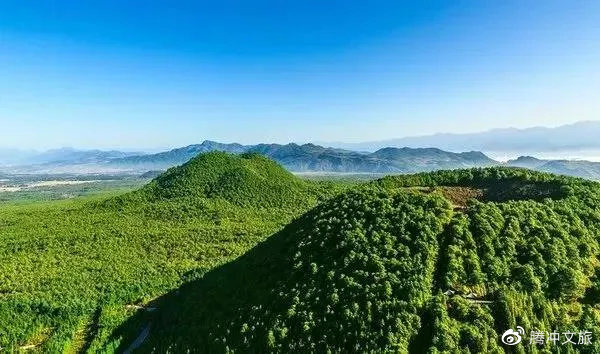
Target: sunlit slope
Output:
{"points": [[438, 262], [525, 254], [245, 180], [70, 271]]}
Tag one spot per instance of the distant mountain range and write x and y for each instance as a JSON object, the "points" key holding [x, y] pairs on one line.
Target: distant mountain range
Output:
{"points": [[10, 157], [572, 137], [294, 157], [70, 155], [314, 158], [576, 168]]}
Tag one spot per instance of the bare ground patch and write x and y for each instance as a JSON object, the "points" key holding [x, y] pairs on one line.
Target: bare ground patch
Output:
{"points": [[458, 196]]}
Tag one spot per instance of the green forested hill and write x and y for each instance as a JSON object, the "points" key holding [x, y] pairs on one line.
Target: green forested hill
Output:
{"points": [[233, 253], [349, 275], [71, 271], [248, 180], [406, 265]]}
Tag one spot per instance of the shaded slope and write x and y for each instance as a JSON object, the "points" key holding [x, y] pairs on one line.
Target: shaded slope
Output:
{"points": [[388, 268], [350, 275], [62, 263]]}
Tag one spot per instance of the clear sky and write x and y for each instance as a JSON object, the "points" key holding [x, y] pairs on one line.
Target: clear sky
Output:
{"points": [[156, 74]]}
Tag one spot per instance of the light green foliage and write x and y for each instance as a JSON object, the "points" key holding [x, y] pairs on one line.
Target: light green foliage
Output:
{"points": [[251, 180]]}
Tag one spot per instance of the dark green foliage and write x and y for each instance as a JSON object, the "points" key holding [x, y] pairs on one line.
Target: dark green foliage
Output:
{"points": [[530, 255], [350, 276], [366, 272]]}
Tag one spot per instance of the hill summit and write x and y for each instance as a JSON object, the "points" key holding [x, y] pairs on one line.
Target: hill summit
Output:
{"points": [[246, 179]]}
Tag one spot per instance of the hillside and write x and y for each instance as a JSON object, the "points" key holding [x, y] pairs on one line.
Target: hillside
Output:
{"points": [[400, 265], [245, 180], [73, 270]]}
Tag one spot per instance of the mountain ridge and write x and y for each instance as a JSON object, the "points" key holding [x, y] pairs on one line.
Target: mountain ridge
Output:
{"points": [[63, 155], [575, 168], [298, 158], [315, 158], [578, 135]]}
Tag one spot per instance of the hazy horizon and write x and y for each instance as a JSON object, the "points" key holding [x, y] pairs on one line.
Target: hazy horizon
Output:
{"points": [[500, 155]]}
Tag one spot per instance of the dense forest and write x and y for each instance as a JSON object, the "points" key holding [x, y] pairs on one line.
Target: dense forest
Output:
{"points": [[72, 270], [231, 253]]}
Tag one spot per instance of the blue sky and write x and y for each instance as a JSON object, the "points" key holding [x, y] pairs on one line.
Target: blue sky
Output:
{"points": [[157, 74]]}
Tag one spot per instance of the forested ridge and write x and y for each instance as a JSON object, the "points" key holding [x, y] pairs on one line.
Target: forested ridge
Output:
{"points": [[234, 254], [395, 266]]}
